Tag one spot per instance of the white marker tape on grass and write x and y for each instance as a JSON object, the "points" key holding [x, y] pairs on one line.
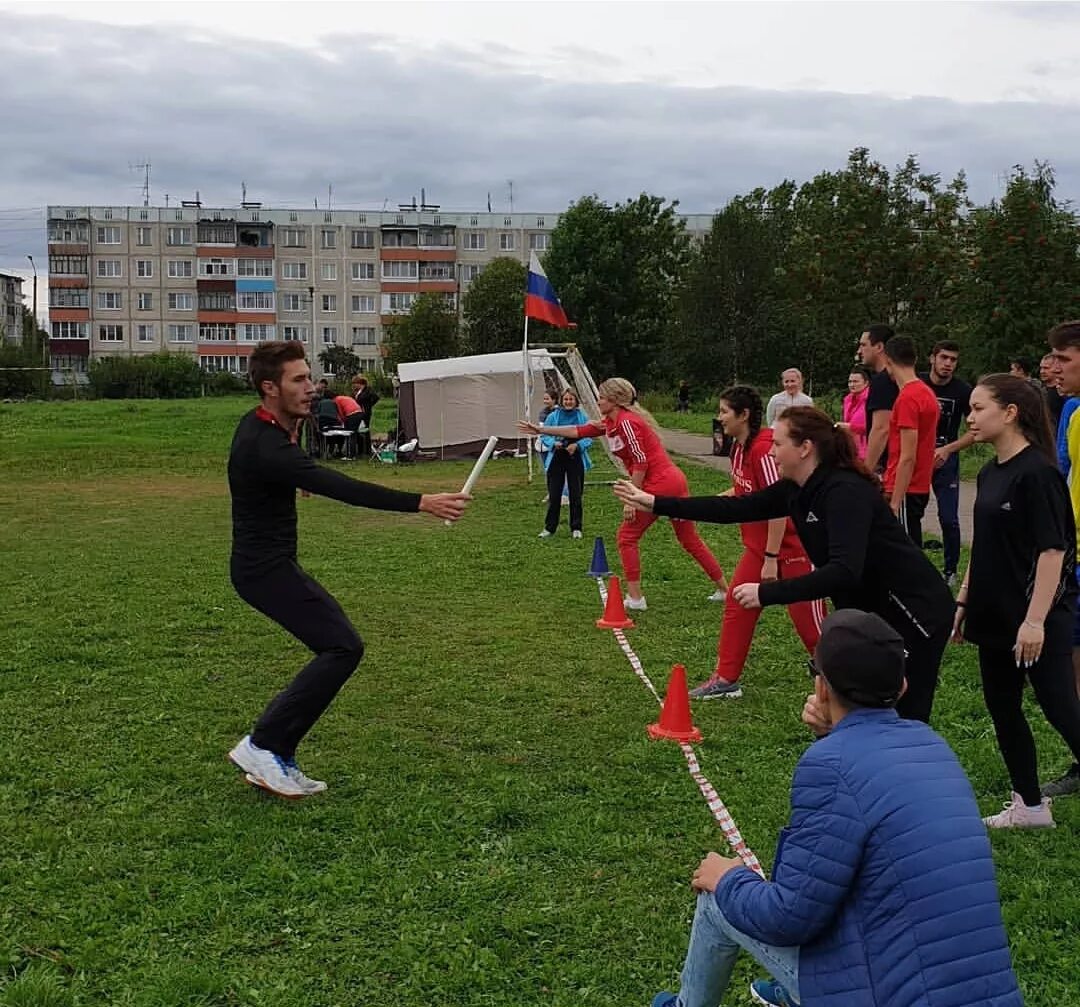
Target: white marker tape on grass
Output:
{"points": [[477, 468], [712, 798]]}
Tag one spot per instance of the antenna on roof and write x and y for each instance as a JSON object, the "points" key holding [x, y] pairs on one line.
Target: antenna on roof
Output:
{"points": [[145, 169]]}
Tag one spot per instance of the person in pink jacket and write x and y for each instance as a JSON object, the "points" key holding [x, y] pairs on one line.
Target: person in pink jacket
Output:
{"points": [[858, 383]]}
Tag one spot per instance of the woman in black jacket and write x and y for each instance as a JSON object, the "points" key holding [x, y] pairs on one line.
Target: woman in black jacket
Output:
{"points": [[863, 558]]}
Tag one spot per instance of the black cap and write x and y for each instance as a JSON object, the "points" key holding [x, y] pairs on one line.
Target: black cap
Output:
{"points": [[861, 657]]}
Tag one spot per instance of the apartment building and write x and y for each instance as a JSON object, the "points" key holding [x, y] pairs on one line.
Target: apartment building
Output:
{"points": [[216, 282], [11, 307]]}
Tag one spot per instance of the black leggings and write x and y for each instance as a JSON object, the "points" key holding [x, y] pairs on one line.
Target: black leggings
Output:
{"points": [[568, 467], [921, 671], [1055, 691], [302, 606]]}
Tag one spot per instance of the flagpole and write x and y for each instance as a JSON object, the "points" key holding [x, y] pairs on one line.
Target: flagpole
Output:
{"points": [[526, 378]]}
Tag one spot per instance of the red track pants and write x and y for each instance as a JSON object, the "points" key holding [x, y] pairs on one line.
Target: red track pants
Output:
{"points": [[737, 626], [672, 484]]}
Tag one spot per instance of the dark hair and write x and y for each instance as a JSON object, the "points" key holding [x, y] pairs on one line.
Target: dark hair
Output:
{"points": [[1024, 363], [1032, 415], [879, 333], [948, 345], [861, 371], [901, 350], [835, 447], [268, 360], [1064, 335], [744, 399]]}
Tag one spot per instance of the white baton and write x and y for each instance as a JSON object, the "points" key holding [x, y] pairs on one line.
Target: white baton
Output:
{"points": [[477, 468]]}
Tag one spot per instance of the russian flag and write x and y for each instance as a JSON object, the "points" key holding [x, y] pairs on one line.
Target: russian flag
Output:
{"points": [[540, 299]]}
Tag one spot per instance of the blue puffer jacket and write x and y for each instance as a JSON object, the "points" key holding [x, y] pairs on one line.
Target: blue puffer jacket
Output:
{"points": [[883, 877]]}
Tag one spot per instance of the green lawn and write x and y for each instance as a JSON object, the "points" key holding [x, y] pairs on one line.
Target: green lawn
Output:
{"points": [[499, 830]]}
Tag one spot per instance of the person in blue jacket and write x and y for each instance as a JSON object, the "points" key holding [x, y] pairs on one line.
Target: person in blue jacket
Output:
{"points": [[565, 461], [883, 890]]}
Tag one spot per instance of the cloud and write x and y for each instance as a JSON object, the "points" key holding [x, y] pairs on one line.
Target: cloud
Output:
{"points": [[84, 100]]}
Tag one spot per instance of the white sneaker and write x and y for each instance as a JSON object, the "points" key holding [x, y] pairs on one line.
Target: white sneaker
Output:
{"points": [[545, 534], [1017, 815], [719, 595], [575, 534], [565, 501], [635, 604], [266, 769], [308, 785]]}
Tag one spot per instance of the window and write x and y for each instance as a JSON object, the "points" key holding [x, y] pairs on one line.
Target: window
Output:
{"points": [[539, 242], [291, 302], [254, 267], [144, 236], [214, 363], [329, 302], [217, 332], [363, 303], [70, 330], [329, 237], [363, 270], [469, 273], [178, 236], [111, 333], [400, 239], [294, 270], [217, 300], [399, 270], [475, 240], [398, 302], [256, 333], [437, 271], [68, 362], [68, 233], [328, 271], [329, 334], [294, 333], [294, 237], [109, 267], [68, 264], [144, 333], [110, 300], [146, 302], [69, 297], [144, 268], [216, 267], [506, 242], [437, 237], [108, 235], [180, 268], [217, 234], [180, 302], [180, 333], [363, 335], [254, 300], [370, 365], [363, 239]]}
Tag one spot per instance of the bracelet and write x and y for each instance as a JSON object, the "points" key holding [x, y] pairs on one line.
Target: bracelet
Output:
{"points": [[1034, 625], [961, 604], [772, 555]]}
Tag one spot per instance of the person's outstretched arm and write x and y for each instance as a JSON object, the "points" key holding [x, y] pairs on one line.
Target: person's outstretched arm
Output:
{"points": [[772, 502]]}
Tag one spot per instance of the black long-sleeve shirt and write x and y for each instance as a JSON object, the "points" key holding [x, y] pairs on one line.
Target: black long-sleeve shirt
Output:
{"points": [[265, 470], [862, 557]]}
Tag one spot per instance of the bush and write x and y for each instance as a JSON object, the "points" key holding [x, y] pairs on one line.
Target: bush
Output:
{"points": [[225, 383], [150, 376], [18, 383]]}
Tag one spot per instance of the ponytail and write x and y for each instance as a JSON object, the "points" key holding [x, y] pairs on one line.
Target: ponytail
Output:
{"points": [[624, 395], [744, 399], [835, 447], [1032, 414]]}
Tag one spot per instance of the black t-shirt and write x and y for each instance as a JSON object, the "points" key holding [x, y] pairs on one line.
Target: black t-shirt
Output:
{"points": [[882, 395], [954, 398], [1054, 404], [1022, 509]]}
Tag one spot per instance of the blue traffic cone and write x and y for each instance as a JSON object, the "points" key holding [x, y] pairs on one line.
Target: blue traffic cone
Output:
{"points": [[599, 566]]}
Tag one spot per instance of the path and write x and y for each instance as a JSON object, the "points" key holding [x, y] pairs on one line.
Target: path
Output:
{"points": [[698, 448]]}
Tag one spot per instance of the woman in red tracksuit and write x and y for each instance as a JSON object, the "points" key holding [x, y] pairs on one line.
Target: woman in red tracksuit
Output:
{"points": [[633, 438], [773, 549]]}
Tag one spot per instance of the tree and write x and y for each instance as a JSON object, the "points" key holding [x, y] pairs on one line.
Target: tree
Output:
{"points": [[340, 361], [428, 332], [493, 308]]}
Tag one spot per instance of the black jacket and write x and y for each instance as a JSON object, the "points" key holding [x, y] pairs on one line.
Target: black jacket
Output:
{"points": [[366, 400], [862, 557]]}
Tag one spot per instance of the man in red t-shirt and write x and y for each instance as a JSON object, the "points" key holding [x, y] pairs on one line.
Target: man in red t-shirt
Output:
{"points": [[912, 438]]}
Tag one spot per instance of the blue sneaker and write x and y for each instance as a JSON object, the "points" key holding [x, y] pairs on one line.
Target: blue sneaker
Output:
{"points": [[665, 1000], [771, 993]]}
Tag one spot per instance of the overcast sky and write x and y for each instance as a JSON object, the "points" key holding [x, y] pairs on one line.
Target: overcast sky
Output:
{"points": [[691, 101]]}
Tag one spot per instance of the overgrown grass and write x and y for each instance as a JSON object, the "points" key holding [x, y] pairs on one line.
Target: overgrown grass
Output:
{"points": [[498, 829]]}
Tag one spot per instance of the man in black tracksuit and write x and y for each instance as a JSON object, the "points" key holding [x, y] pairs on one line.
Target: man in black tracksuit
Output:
{"points": [[266, 468], [863, 559]]}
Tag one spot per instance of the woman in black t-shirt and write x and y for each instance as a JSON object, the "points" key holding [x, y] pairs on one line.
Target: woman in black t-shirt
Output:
{"points": [[1019, 595]]}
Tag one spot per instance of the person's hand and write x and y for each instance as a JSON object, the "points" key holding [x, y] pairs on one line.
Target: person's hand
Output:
{"points": [[571, 448], [941, 456], [895, 506], [448, 506], [769, 570], [527, 427], [747, 595], [958, 624], [1029, 643], [816, 717], [632, 497], [711, 870], [629, 512]]}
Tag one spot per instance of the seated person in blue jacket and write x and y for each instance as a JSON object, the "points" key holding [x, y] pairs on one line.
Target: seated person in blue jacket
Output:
{"points": [[883, 889]]}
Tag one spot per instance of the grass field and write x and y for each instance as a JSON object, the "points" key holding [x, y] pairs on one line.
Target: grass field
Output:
{"points": [[499, 831]]}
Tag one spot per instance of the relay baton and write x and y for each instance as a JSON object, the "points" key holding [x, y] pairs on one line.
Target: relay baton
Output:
{"points": [[477, 468]]}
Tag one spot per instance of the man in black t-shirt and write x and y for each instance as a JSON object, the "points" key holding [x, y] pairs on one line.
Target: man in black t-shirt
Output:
{"points": [[953, 397], [883, 392], [1055, 401]]}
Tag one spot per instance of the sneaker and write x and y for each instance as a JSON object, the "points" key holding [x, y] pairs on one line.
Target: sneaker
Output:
{"points": [[719, 595], [717, 688], [1064, 785], [308, 785], [545, 534], [575, 534], [635, 604], [267, 770], [665, 1000], [771, 993], [951, 580], [565, 501], [1017, 815]]}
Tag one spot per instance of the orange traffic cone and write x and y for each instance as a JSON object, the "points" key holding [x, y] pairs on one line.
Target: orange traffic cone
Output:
{"points": [[675, 722], [614, 616]]}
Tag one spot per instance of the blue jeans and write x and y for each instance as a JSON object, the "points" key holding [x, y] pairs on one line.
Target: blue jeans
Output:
{"points": [[947, 492], [714, 946]]}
